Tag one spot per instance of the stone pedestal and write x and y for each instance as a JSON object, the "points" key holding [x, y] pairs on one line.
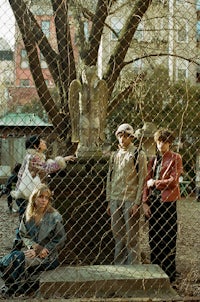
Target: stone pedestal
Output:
{"points": [[80, 196], [136, 283]]}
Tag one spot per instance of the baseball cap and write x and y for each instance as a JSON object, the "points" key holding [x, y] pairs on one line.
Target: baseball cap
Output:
{"points": [[125, 128]]}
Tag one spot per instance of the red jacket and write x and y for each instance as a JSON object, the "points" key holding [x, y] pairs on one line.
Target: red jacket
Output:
{"points": [[168, 182]]}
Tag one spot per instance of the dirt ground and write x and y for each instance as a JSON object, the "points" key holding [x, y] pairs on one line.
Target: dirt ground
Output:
{"points": [[188, 247], [187, 284]]}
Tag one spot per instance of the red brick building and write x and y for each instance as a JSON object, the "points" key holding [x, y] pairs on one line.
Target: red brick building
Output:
{"points": [[24, 87]]}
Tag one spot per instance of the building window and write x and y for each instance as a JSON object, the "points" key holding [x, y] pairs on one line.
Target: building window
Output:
{"points": [[86, 30], [182, 34], [24, 83], [180, 1], [181, 73], [160, 2], [24, 59], [198, 74], [198, 77], [137, 66], [6, 55], [198, 5], [45, 25], [139, 33], [182, 70], [43, 61], [198, 31], [116, 24]]}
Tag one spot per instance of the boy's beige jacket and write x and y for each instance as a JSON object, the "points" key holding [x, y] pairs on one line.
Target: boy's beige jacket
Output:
{"points": [[123, 181]]}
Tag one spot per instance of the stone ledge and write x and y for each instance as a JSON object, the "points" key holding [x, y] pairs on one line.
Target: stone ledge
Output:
{"points": [[108, 282]]}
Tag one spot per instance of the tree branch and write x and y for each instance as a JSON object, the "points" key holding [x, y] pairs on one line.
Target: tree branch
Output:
{"points": [[124, 94], [67, 68], [115, 63], [160, 55], [99, 18]]}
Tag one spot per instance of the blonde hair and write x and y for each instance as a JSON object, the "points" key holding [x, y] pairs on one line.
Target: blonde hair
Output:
{"points": [[31, 207]]}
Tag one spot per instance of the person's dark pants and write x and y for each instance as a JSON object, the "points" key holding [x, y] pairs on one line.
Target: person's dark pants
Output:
{"points": [[32, 283], [21, 203], [10, 202], [13, 271], [20, 279], [163, 235]]}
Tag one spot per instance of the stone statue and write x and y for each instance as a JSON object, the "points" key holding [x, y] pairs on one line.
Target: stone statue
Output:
{"points": [[88, 101]]}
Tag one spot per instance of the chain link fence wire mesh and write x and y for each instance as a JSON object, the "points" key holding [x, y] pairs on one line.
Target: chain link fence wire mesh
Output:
{"points": [[72, 72]]}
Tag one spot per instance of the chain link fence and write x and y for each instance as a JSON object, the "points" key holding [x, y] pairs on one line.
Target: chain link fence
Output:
{"points": [[72, 72]]}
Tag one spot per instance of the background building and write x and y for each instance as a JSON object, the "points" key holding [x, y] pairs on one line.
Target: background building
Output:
{"points": [[168, 27], [6, 73]]}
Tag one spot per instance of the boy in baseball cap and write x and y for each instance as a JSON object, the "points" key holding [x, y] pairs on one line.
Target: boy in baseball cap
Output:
{"points": [[125, 128], [127, 171]]}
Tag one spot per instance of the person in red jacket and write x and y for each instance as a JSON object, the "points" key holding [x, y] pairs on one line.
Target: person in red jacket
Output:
{"points": [[161, 191]]}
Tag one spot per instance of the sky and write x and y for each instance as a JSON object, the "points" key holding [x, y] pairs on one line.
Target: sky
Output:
{"points": [[6, 22]]}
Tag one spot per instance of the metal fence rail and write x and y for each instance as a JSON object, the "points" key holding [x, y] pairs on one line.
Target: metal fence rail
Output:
{"points": [[72, 72]]}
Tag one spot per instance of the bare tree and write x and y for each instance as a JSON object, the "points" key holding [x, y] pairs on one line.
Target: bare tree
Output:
{"points": [[61, 62]]}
